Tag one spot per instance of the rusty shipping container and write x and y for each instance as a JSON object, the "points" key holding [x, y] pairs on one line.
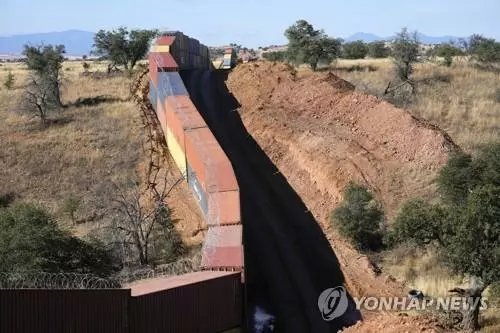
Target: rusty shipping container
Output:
{"points": [[198, 143], [224, 257], [152, 94], [198, 191], [176, 151], [62, 311], [201, 302], [170, 84], [224, 236], [160, 114], [182, 115], [224, 207]]}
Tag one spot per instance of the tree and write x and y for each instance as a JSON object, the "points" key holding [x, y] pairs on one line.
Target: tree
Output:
{"points": [[487, 51], [31, 240], [141, 224], [275, 56], [122, 47], [378, 49], [468, 233], [354, 50], [420, 222], [359, 218], [9, 81], [39, 98], [405, 52], [310, 46], [45, 61], [448, 51]]}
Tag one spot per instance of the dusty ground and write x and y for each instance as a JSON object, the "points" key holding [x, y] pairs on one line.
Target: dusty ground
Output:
{"points": [[321, 134], [82, 153]]}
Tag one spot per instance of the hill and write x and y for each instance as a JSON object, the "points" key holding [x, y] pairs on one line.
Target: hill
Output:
{"points": [[425, 39], [77, 42]]}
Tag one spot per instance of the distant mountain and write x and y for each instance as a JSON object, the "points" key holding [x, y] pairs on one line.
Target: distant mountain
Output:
{"points": [[367, 37], [364, 37], [77, 42]]}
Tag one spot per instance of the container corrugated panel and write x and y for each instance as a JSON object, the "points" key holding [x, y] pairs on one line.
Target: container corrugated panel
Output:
{"points": [[188, 114], [206, 302], [58, 311], [165, 40], [174, 122], [221, 170], [160, 48], [222, 236], [199, 192], [163, 61], [224, 208], [153, 72], [176, 152], [170, 84], [160, 113], [222, 257], [152, 94], [198, 142]]}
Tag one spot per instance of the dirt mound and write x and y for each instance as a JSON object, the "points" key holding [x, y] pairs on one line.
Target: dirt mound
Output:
{"points": [[321, 134], [393, 323]]}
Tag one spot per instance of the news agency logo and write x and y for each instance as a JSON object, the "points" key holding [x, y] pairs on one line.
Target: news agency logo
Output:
{"points": [[333, 303]]}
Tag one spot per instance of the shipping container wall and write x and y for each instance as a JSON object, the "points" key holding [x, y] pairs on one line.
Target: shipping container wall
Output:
{"points": [[222, 257], [152, 94], [61, 311], [176, 152], [224, 207], [210, 306], [170, 84], [198, 191]]}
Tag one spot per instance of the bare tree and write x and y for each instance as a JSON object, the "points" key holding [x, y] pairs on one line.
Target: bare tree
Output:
{"points": [[38, 98], [143, 218]]}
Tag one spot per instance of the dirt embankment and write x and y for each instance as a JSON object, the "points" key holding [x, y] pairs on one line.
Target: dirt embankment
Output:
{"points": [[321, 134]]}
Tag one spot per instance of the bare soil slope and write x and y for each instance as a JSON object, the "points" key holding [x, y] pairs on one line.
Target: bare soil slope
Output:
{"points": [[321, 134]]}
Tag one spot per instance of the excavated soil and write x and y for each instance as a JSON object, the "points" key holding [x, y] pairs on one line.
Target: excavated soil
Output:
{"points": [[321, 134]]}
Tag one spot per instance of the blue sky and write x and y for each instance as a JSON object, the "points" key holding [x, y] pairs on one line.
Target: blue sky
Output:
{"points": [[254, 22]]}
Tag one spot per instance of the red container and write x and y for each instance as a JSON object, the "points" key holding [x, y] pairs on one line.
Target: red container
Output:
{"points": [[153, 72], [165, 40], [222, 236], [198, 143], [202, 302], [160, 113], [224, 208], [223, 257], [163, 61]]}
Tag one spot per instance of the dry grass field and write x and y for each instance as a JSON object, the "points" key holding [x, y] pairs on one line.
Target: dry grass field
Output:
{"points": [[80, 154], [462, 100], [465, 102]]}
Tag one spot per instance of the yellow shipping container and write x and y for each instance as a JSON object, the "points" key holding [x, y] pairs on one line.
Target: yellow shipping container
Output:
{"points": [[161, 48], [176, 152]]}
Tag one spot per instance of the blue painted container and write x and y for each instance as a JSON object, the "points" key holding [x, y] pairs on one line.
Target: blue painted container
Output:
{"points": [[199, 192], [152, 94], [170, 84]]}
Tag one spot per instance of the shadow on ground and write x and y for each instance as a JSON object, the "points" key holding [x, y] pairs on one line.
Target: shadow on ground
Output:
{"points": [[288, 260]]}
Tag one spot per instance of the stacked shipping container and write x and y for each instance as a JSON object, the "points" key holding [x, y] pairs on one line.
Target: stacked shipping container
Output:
{"points": [[195, 150]]}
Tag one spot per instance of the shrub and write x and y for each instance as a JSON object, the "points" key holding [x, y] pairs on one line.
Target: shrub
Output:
{"points": [[354, 50], [30, 239], [418, 222], [359, 218], [9, 81]]}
